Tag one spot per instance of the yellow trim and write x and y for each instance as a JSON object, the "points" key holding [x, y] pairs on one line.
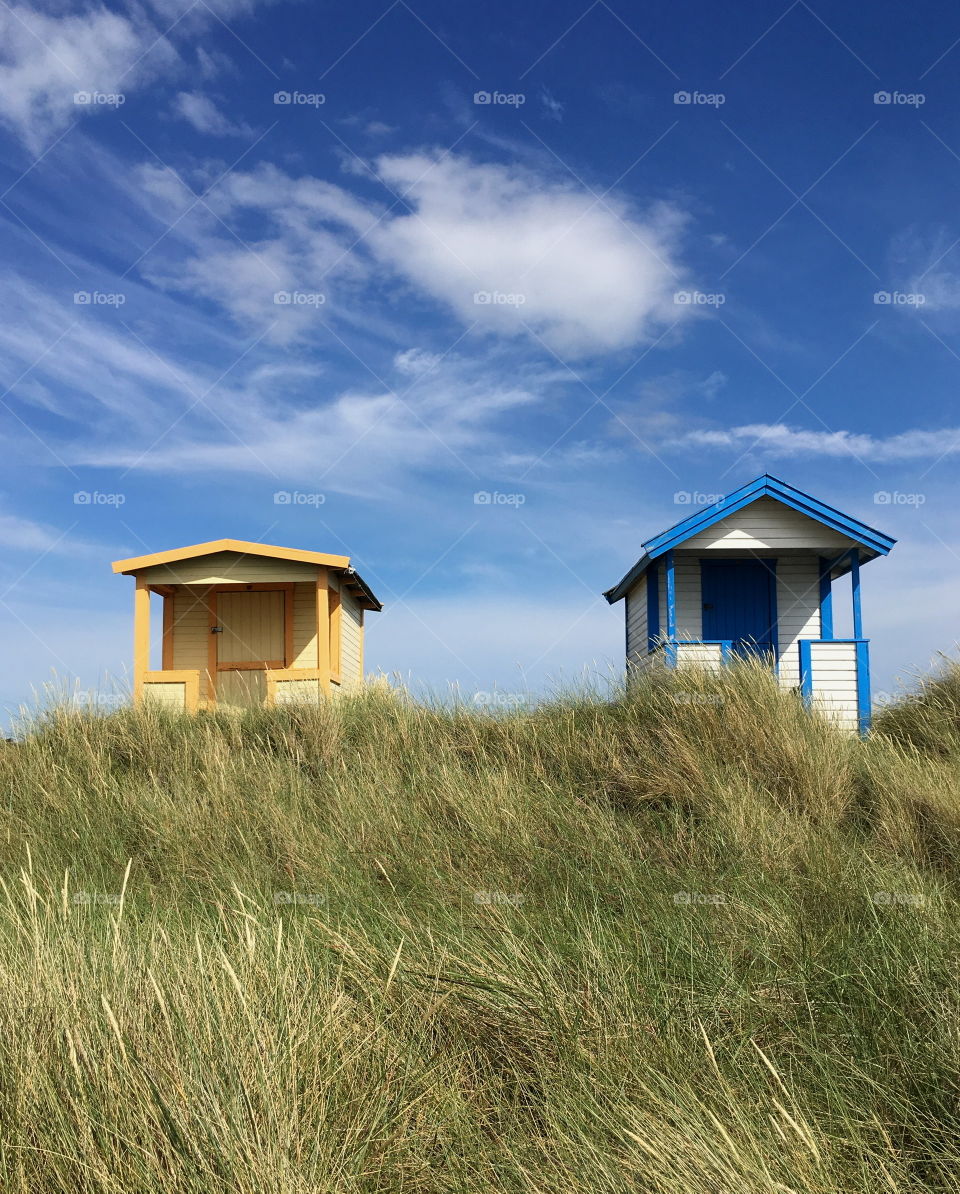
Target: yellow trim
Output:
{"points": [[323, 628], [141, 636], [137, 563], [362, 641], [188, 677], [210, 598], [166, 661]]}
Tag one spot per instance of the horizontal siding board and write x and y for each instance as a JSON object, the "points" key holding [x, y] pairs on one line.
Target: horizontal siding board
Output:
{"points": [[229, 567], [766, 525]]}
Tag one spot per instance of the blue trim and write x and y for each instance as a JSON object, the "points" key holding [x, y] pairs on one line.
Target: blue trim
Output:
{"points": [[855, 587], [771, 565], [826, 600], [806, 671], [766, 486], [670, 653], [671, 597], [863, 686], [653, 608]]}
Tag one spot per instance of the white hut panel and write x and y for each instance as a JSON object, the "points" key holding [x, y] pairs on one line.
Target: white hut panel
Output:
{"points": [[767, 525]]}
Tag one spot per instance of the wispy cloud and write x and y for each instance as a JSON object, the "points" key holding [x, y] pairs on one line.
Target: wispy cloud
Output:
{"points": [[780, 440]]}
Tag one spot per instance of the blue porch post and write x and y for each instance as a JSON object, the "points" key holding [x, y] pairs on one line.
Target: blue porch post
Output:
{"points": [[826, 599], [862, 647], [855, 587], [671, 609]]}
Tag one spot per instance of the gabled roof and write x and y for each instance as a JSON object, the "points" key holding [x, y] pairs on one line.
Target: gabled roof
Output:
{"points": [[341, 563], [874, 542]]}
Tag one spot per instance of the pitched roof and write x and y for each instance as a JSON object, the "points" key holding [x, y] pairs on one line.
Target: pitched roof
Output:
{"points": [[243, 547], [873, 541]]}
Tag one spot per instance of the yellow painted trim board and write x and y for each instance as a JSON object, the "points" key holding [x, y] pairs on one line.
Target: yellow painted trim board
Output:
{"points": [[137, 563], [141, 636]]}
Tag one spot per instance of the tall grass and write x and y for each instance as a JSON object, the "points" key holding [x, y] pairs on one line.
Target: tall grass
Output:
{"points": [[688, 940]]}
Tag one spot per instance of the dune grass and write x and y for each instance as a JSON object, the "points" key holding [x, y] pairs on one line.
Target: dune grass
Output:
{"points": [[687, 940]]}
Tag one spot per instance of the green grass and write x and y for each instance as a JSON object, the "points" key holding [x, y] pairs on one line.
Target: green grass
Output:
{"points": [[690, 940]]}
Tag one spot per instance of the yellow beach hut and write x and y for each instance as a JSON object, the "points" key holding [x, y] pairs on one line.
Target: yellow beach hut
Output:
{"points": [[247, 624]]}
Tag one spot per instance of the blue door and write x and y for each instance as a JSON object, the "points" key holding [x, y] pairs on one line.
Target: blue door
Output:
{"points": [[739, 603]]}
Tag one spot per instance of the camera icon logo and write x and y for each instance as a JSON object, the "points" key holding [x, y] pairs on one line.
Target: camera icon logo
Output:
{"points": [[681, 97], [881, 97], [281, 97], [481, 97]]}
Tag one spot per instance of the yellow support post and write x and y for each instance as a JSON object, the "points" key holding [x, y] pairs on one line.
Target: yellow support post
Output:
{"points": [[141, 636], [323, 629]]}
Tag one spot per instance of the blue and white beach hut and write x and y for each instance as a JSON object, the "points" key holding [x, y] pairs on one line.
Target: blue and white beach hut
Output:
{"points": [[754, 573]]}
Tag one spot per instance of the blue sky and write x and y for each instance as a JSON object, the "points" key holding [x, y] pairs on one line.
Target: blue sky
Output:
{"points": [[385, 257]]}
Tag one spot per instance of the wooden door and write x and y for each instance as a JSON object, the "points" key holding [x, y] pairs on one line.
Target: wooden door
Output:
{"points": [[250, 639]]}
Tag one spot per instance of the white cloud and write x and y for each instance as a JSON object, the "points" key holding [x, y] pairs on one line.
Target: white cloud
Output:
{"points": [[202, 113], [779, 440], [23, 534], [586, 276], [507, 250], [46, 60]]}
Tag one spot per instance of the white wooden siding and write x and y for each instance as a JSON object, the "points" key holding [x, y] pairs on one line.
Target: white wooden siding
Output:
{"points": [[350, 643], [798, 611], [170, 695], [228, 568], [297, 692], [304, 625], [768, 525], [708, 655], [191, 635], [833, 669], [636, 612]]}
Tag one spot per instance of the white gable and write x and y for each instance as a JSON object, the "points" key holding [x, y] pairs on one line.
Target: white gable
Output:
{"points": [[768, 525]]}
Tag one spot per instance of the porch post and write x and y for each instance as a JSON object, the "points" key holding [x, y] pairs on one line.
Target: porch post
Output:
{"points": [[855, 587], [826, 600], [141, 636], [323, 630], [671, 608]]}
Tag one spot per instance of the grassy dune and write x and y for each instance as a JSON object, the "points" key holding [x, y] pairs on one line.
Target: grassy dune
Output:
{"points": [[692, 940]]}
